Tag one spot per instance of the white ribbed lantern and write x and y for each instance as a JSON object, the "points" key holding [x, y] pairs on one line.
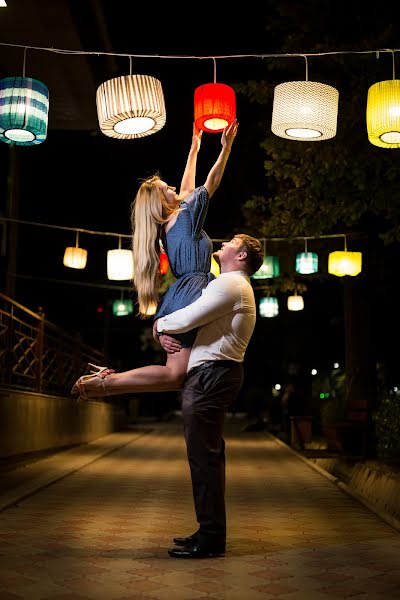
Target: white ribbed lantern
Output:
{"points": [[305, 111], [131, 106]]}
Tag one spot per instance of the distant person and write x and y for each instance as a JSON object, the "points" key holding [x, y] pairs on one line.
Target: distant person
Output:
{"points": [[160, 215], [225, 316]]}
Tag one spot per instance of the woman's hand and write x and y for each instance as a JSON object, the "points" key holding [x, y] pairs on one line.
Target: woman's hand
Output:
{"points": [[229, 134], [196, 139]]}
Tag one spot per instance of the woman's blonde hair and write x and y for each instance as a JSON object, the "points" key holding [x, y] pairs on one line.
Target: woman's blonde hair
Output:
{"points": [[149, 212]]}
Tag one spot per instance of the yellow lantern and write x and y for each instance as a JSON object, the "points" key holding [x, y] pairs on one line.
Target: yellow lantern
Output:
{"points": [[215, 269], [75, 257], [342, 263], [383, 114]]}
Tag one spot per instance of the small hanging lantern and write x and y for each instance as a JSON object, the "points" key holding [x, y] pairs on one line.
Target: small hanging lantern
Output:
{"points": [[215, 268], [383, 112], [295, 302], [305, 110], [75, 257], [164, 263], [269, 306], [122, 308], [269, 268], [24, 109], [214, 106], [306, 262], [342, 263], [131, 106], [119, 264]]}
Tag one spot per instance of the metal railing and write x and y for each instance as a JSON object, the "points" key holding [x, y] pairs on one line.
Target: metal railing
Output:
{"points": [[38, 356]]}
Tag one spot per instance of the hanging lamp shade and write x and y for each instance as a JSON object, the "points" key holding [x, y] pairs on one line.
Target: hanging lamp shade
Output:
{"points": [[215, 268], [306, 263], [269, 268], [75, 257], [383, 114], [295, 302], [342, 263], [214, 107], [131, 106], [119, 264], [305, 111], [164, 263], [269, 307], [24, 110], [122, 308]]}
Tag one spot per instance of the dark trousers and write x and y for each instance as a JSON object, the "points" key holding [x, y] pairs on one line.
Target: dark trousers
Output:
{"points": [[206, 395]]}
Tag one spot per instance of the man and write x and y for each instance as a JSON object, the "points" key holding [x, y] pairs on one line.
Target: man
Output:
{"points": [[226, 315]]}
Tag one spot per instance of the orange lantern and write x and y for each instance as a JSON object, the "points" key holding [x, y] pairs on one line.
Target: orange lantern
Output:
{"points": [[164, 263], [214, 107]]}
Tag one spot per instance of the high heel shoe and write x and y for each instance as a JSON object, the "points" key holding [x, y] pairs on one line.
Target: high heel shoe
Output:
{"points": [[96, 377]]}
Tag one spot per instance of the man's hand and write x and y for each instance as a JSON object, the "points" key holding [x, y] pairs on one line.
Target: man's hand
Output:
{"points": [[155, 336], [170, 344]]}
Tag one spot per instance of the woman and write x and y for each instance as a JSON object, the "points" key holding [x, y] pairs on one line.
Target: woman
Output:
{"points": [[159, 214]]}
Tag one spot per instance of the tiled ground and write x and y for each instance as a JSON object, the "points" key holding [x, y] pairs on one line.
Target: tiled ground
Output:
{"points": [[102, 532]]}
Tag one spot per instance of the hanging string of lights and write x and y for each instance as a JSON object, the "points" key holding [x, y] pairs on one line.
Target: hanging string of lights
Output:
{"points": [[133, 106], [120, 264]]}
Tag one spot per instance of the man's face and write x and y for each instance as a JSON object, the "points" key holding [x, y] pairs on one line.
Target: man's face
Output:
{"points": [[229, 250]]}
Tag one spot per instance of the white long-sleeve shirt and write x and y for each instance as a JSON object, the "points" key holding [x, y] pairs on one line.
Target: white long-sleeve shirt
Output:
{"points": [[225, 314]]}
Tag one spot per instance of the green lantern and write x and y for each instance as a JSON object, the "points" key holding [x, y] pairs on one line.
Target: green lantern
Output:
{"points": [[306, 263], [122, 308], [269, 268]]}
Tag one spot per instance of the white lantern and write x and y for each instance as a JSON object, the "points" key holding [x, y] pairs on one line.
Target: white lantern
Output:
{"points": [[305, 111], [120, 264], [295, 302], [131, 106]]}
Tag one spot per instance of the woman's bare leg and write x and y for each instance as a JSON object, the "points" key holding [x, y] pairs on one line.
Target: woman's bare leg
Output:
{"points": [[152, 378]]}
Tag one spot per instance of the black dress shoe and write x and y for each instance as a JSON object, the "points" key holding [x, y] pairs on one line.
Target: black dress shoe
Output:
{"points": [[184, 541], [196, 550]]}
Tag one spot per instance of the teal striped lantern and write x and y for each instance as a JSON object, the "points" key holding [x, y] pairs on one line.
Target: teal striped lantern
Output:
{"points": [[24, 109], [269, 307], [306, 263], [269, 268]]}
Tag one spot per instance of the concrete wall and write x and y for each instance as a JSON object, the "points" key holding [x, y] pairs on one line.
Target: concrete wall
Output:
{"points": [[371, 481], [31, 422]]}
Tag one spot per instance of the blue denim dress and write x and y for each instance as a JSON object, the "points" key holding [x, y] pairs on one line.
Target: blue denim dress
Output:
{"points": [[189, 251]]}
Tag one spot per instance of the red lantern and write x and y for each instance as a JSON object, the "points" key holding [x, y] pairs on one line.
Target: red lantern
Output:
{"points": [[214, 107], [164, 263]]}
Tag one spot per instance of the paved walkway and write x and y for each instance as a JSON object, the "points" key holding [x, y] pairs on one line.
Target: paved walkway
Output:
{"points": [[100, 525]]}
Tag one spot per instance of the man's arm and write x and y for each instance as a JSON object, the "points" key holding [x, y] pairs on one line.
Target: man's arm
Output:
{"points": [[217, 299]]}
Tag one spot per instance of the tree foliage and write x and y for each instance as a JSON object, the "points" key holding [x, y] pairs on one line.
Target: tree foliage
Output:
{"points": [[340, 185]]}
